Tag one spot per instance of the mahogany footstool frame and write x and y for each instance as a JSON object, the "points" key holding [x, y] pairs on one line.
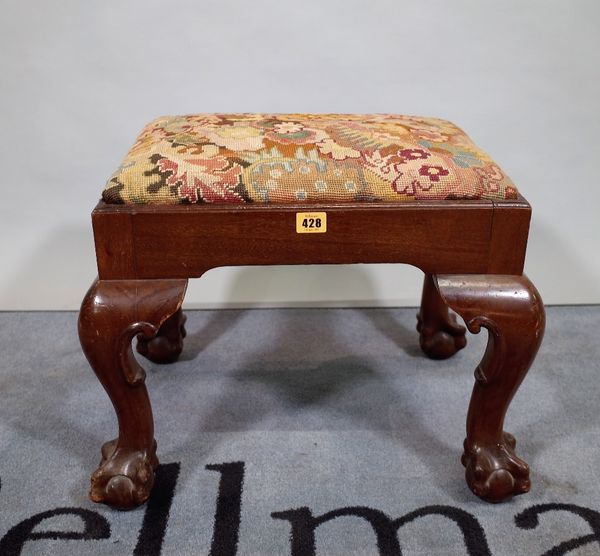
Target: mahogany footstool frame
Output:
{"points": [[472, 254]]}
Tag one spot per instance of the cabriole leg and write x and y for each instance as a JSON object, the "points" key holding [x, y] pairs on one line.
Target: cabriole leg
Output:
{"points": [[112, 313], [167, 345], [440, 336], [511, 309]]}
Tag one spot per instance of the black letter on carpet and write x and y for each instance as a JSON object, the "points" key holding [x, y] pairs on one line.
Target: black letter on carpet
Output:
{"points": [[95, 527], [229, 507], [528, 519], [304, 526], [156, 516]]}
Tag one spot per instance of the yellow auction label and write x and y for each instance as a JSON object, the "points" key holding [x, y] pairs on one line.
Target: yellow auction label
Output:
{"points": [[311, 222]]}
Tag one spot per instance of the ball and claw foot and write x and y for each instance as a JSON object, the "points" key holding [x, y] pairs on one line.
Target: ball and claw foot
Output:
{"points": [[124, 478], [167, 345], [495, 473], [442, 341]]}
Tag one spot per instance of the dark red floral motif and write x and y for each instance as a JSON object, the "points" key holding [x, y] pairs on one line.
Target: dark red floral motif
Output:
{"points": [[414, 154], [410, 189], [433, 172]]}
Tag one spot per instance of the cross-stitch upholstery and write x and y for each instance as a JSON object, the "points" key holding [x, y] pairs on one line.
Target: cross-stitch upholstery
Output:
{"points": [[307, 158]]}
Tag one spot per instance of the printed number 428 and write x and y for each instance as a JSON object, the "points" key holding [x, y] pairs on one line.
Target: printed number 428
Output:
{"points": [[311, 223]]}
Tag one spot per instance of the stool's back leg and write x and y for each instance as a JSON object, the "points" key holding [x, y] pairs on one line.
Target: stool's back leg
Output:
{"points": [[511, 309], [166, 346], [440, 336], [112, 313]]}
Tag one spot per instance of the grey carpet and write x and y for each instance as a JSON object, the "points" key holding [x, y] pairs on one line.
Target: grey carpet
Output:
{"points": [[321, 410]]}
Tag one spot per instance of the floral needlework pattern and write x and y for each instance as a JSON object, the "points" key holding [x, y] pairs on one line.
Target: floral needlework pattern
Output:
{"points": [[308, 158]]}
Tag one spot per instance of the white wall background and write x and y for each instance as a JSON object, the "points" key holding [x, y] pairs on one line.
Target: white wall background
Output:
{"points": [[78, 79]]}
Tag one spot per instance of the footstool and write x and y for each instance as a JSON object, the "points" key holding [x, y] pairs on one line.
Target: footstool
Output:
{"points": [[208, 190]]}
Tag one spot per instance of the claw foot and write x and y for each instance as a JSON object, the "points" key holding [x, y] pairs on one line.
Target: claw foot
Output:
{"points": [[495, 473], [125, 477], [167, 345], [442, 340]]}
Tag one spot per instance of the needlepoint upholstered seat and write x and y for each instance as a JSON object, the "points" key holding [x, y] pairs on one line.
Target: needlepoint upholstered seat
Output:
{"points": [[304, 158], [207, 190]]}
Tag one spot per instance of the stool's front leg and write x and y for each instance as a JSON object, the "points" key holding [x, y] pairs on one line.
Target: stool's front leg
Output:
{"points": [[112, 314], [511, 309]]}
